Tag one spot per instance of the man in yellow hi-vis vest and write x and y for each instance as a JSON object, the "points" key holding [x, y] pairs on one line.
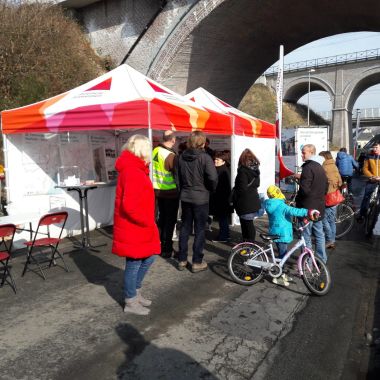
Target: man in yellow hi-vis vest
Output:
{"points": [[165, 188]]}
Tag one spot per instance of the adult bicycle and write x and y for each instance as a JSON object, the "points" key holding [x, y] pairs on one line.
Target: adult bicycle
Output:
{"points": [[249, 262], [345, 212], [373, 210]]}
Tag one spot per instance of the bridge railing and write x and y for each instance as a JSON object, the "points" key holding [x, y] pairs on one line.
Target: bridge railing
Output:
{"points": [[335, 60], [365, 114]]}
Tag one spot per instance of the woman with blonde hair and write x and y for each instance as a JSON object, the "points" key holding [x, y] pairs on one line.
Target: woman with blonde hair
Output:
{"points": [[335, 181], [135, 234]]}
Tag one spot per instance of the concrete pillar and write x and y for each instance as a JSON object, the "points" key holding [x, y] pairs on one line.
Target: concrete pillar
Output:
{"points": [[340, 133]]}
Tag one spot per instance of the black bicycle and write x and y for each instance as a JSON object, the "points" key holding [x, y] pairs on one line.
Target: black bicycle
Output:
{"points": [[373, 211], [345, 213]]}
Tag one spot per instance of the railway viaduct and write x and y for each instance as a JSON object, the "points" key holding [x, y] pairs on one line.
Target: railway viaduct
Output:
{"points": [[221, 45]]}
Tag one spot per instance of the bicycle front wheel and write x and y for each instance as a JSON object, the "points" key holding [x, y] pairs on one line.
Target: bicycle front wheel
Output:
{"points": [[317, 279], [344, 219], [241, 272]]}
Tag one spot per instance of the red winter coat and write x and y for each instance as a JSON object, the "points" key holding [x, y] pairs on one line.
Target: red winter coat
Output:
{"points": [[135, 233]]}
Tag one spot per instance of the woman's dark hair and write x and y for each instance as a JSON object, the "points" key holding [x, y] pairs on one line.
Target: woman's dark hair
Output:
{"points": [[182, 147], [223, 155], [343, 150], [247, 158]]}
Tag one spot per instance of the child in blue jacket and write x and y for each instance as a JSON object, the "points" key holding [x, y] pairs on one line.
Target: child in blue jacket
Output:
{"points": [[280, 221], [280, 218]]}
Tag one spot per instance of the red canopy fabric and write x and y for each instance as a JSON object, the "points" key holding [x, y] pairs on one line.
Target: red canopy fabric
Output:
{"points": [[120, 99]]}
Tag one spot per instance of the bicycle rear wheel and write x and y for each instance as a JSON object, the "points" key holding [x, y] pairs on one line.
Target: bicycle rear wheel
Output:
{"points": [[371, 219], [344, 219], [317, 280], [239, 270]]}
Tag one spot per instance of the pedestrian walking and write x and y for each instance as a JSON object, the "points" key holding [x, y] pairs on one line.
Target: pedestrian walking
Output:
{"points": [[197, 178], [346, 165], [246, 199], [335, 182], [165, 189], [313, 187], [135, 234]]}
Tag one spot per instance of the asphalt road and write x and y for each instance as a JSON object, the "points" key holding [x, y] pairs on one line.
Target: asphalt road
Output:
{"points": [[328, 338], [202, 326]]}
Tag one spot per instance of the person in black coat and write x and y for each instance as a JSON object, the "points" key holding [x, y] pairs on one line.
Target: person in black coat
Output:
{"points": [[220, 200], [197, 179], [311, 195], [246, 197]]}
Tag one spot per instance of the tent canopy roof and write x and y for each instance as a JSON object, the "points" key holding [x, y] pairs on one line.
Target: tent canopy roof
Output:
{"points": [[120, 99], [243, 124]]}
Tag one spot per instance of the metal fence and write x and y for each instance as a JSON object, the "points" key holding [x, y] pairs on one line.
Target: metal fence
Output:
{"points": [[341, 59]]}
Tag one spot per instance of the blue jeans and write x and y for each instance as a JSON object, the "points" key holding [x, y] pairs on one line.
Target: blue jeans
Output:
{"points": [[282, 249], [316, 228], [224, 228], [369, 188], [135, 271], [329, 225], [197, 214]]}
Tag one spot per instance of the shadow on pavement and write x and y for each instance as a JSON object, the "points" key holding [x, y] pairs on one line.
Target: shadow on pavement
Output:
{"points": [[144, 360], [99, 272]]}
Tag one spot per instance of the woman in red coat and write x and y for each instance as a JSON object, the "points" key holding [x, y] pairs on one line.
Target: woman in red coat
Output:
{"points": [[135, 234]]}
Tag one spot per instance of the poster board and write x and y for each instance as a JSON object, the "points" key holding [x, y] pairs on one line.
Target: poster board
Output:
{"points": [[318, 136]]}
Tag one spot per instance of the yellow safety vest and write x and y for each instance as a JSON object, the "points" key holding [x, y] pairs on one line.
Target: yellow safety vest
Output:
{"points": [[162, 179]]}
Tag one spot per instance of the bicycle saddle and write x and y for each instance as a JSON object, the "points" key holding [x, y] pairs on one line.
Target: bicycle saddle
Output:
{"points": [[268, 237]]}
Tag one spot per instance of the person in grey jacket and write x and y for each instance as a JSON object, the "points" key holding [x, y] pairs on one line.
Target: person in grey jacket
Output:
{"points": [[197, 178]]}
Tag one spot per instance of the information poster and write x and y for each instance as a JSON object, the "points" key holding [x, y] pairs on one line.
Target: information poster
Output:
{"points": [[103, 146], [40, 161], [75, 151], [317, 136]]}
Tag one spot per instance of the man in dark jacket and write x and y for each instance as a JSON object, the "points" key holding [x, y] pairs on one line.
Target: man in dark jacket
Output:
{"points": [[311, 195], [197, 178]]}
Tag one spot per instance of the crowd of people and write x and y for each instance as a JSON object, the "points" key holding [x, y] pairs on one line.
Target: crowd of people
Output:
{"points": [[197, 181]]}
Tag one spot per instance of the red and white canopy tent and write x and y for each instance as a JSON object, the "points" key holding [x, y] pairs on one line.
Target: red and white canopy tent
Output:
{"points": [[248, 132], [120, 99], [70, 128]]}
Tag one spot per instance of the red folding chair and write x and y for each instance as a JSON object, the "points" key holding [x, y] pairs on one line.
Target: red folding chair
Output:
{"points": [[57, 219], [7, 233]]}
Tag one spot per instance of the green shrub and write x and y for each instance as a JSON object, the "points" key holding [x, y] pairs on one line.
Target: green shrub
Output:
{"points": [[43, 52]]}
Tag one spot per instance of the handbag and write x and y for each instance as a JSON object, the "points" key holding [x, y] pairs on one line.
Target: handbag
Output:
{"points": [[334, 198]]}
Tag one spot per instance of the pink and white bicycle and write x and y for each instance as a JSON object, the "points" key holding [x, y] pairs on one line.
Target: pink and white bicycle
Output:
{"points": [[249, 262]]}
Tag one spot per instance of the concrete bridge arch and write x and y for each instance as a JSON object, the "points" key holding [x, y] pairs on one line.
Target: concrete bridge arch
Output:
{"points": [[297, 88], [222, 45], [369, 78]]}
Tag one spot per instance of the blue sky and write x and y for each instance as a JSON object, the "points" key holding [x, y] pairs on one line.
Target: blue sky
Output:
{"points": [[335, 45]]}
